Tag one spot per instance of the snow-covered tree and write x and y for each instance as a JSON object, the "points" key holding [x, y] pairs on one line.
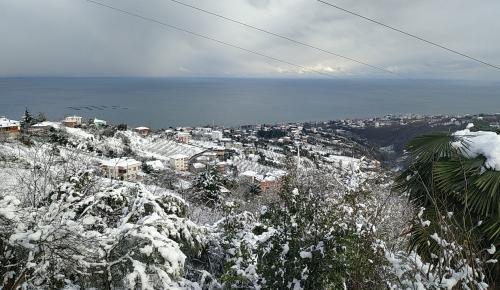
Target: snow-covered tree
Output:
{"points": [[110, 236], [311, 238], [209, 186], [27, 119]]}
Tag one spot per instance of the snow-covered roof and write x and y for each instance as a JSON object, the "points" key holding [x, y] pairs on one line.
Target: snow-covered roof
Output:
{"points": [[72, 118], [141, 128], [120, 162], [198, 165], [6, 123], [270, 178], [178, 156], [40, 125], [156, 164], [249, 173], [47, 124], [277, 173]]}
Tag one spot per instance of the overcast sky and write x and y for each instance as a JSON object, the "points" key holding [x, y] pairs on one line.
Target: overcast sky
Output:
{"points": [[76, 38]]}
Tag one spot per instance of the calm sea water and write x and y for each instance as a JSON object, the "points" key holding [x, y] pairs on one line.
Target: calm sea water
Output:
{"points": [[156, 102]]}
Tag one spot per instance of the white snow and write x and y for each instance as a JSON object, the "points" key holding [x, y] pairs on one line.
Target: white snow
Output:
{"points": [[479, 143], [7, 123], [121, 162], [305, 255], [492, 250], [156, 165]]}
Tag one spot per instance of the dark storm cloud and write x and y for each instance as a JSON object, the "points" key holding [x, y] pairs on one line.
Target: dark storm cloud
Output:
{"points": [[76, 38]]}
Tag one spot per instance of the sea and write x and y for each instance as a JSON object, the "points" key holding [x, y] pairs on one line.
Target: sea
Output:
{"points": [[170, 102]]}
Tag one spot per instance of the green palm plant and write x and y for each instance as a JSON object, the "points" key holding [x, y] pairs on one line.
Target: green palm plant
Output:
{"points": [[454, 190]]}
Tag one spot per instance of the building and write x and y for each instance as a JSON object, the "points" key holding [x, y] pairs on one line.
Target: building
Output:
{"points": [[144, 131], [270, 183], [220, 151], [216, 135], [72, 121], [121, 168], [8, 127], [99, 123], [198, 167], [250, 176], [221, 167], [209, 156], [42, 127], [183, 137], [179, 162]]}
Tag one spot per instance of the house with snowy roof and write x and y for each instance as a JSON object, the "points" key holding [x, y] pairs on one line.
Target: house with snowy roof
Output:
{"points": [[9, 128], [270, 181], [179, 162], [144, 131], [99, 123], [121, 168], [72, 121], [250, 176], [197, 167], [41, 127]]}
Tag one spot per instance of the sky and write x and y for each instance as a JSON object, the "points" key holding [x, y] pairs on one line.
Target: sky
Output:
{"points": [[77, 38]]}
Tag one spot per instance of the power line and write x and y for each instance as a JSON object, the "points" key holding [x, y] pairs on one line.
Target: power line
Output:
{"points": [[409, 34], [282, 37], [149, 19]]}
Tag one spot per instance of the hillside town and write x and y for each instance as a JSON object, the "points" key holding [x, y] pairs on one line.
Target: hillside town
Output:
{"points": [[204, 188], [256, 153]]}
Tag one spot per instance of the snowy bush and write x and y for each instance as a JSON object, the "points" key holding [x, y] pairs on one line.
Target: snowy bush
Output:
{"points": [[94, 236], [311, 238]]}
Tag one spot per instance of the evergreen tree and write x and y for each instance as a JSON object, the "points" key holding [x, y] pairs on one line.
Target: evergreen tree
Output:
{"points": [[254, 189], [27, 120], [209, 184]]}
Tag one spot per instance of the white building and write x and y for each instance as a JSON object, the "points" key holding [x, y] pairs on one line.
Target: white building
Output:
{"points": [[183, 137], [72, 121], [121, 168], [217, 135], [179, 162], [9, 127], [99, 123], [250, 176], [144, 131]]}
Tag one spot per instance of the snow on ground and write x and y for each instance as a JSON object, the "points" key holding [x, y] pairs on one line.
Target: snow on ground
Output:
{"points": [[156, 165], [203, 144], [275, 156], [9, 178], [162, 149], [79, 133], [247, 165], [344, 161]]}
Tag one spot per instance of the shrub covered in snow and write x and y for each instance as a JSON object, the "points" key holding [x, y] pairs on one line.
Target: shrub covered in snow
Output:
{"points": [[94, 236], [312, 238]]}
